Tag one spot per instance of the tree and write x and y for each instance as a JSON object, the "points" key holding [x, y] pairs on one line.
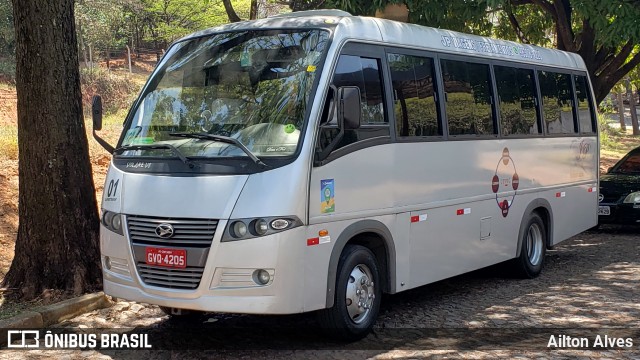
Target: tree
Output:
{"points": [[7, 41], [604, 32], [102, 24], [251, 5], [57, 243]]}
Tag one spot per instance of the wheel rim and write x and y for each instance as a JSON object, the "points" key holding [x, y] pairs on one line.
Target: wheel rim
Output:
{"points": [[535, 244], [360, 293]]}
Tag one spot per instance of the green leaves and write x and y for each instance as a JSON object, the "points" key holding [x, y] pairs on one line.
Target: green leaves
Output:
{"points": [[114, 23], [7, 37]]}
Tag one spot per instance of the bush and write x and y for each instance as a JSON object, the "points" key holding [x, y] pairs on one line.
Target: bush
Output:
{"points": [[607, 133], [118, 92], [8, 142]]}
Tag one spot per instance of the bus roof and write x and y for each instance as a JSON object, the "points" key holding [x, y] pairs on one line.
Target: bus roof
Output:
{"points": [[369, 29]]}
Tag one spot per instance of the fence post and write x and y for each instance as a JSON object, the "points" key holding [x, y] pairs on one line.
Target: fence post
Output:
{"points": [[129, 57]]}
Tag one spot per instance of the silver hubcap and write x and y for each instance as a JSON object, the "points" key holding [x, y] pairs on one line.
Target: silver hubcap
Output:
{"points": [[534, 244], [360, 293]]}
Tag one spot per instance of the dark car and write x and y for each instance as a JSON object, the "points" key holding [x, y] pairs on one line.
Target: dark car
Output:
{"points": [[620, 192]]}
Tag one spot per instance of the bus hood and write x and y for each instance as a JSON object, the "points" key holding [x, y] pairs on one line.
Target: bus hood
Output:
{"points": [[211, 197]]}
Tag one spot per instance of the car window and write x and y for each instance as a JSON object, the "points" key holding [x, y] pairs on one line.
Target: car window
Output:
{"points": [[630, 165]]}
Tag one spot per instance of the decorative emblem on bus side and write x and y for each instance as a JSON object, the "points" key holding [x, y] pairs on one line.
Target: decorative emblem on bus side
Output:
{"points": [[505, 176], [164, 230], [600, 197]]}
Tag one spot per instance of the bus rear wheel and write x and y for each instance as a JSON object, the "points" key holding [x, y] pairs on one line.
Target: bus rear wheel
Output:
{"points": [[532, 248], [357, 296]]}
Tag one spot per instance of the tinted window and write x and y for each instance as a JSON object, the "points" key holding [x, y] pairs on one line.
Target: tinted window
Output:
{"points": [[414, 95], [630, 165], [585, 115], [468, 98], [516, 92], [365, 74], [557, 102]]}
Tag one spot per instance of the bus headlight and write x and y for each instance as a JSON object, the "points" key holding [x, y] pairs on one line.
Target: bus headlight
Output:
{"points": [[112, 221], [240, 229], [260, 227]]}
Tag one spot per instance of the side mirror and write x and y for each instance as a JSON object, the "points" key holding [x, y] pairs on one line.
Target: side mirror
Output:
{"points": [[96, 112], [349, 107]]}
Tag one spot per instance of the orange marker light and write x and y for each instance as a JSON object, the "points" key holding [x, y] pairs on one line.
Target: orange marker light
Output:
{"points": [[323, 233]]}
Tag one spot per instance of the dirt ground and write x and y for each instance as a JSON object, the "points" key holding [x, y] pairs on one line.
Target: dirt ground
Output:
{"points": [[8, 103]]}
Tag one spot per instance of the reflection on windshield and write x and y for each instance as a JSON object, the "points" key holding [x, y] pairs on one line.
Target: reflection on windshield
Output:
{"points": [[252, 86]]}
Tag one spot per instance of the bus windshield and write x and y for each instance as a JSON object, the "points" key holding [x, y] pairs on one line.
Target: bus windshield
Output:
{"points": [[251, 86]]}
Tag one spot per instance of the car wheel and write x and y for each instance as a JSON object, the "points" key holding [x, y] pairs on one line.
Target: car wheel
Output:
{"points": [[357, 296]]}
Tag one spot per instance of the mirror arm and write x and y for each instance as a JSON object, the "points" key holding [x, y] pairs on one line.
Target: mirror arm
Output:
{"points": [[103, 143]]}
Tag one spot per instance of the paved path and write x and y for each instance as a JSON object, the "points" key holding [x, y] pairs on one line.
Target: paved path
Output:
{"points": [[589, 285]]}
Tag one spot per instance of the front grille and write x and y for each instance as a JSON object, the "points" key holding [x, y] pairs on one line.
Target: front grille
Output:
{"points": [[612, 198], [196, 233], [187, 278]]}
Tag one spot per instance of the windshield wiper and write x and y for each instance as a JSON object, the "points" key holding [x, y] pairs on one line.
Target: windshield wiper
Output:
{"points": [[173, 149], [222, 139]]}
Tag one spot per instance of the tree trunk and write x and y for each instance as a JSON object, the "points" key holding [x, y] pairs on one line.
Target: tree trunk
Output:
{"points": [[231, 13], [632, 109], [253, 12], [623, 124], [82, 48], [57, 245]]}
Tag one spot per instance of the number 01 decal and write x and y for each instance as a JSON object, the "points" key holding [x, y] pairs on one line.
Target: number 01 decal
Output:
{"points": [[112, 190]]}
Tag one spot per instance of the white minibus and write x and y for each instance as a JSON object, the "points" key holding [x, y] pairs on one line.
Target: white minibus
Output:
{"points": [[316, 160]]}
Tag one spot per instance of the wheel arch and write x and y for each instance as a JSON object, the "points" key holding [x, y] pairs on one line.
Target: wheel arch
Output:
{"points": [[543, 208], [373, 235]]}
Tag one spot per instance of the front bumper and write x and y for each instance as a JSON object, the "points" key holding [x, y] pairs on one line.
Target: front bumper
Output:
{"points": [[226, 284], [622, 214]]}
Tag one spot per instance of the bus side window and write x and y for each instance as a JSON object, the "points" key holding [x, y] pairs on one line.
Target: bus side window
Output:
{"points": [[557, 102], [468, 97], [517, 99], [414, 92], [365, 74]]}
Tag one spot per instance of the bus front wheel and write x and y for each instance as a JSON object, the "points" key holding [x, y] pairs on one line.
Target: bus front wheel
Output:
{"points": [[357, 296], [532, 248]]}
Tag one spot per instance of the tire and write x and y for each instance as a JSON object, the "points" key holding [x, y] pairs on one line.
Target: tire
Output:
{"points": [[532, 248], [358, 285]]}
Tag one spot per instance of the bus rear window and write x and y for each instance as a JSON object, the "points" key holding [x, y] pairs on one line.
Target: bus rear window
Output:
{"points": [[585, 113]]}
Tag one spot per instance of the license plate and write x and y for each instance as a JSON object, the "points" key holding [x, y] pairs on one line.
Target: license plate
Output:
{"points": [[173, 258], [604, 210]]}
